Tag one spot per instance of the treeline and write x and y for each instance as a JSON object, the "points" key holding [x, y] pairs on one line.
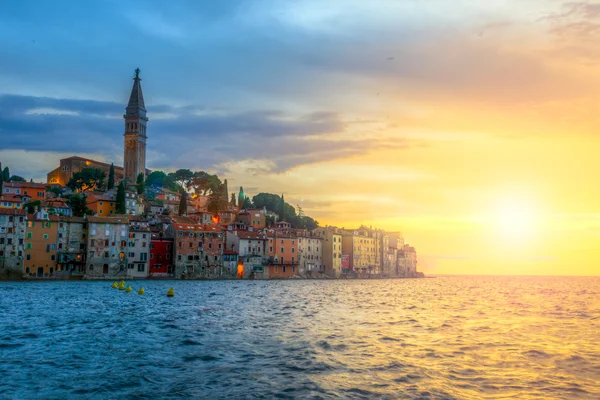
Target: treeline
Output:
{"points": [[5, 176], [278, 205]]}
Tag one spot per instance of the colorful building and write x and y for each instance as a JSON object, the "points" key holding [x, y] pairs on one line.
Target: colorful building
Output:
{"points": [[40, 245], [310, 253], [161, 255], [69, 166], [251, 248], [283, 255], [254, 218], [11, 201], [138, 248], [34, 191], [101, 204]]}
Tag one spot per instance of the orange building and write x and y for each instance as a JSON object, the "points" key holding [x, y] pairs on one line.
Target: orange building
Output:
{"points": [[101, 204], [68, 166], [282, 250], [40, 245], [35, 191], [254, 218]]}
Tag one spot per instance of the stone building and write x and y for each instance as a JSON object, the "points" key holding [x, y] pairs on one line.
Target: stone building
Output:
{"points": [[12, 241], [211, 246], [71, 243], [134, 157], [251, 249], [69, 166], [310, 253], [138, 248], [107, 247], [332, 249], [188, 264]]}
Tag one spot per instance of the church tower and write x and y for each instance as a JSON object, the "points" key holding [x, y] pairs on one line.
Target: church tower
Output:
{"points": [[134, 158]]}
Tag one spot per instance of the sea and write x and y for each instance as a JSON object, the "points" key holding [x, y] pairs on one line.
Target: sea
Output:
{"points": [[453, 337]]}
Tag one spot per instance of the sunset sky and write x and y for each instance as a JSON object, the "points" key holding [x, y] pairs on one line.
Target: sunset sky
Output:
{"points": [[471, 127]]}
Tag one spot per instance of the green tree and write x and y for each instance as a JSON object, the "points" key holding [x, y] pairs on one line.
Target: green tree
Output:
{"points": [[120, 200], [87, 179], [140, 183], [33, 206], [281, 209], [78, 205], [17, 178], [182, 177], [183, 203], [218, 200], [241, 198], [156, 179], [248, 203], [270, 201], [111, 177], [57, 190], [204, 184], [6, 174], [1, 181]]}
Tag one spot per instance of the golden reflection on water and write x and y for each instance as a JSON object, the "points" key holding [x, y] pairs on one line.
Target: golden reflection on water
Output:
{"points": [[463, 337]]}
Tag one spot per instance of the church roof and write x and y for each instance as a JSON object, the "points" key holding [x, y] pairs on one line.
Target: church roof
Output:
{"points": [[136, 99]]}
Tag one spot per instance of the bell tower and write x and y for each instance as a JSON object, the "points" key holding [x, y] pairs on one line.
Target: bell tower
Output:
{"points": [[134, 158]]}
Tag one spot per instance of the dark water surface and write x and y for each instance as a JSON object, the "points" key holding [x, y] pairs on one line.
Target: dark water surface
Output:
{"points": [[450, 337]]}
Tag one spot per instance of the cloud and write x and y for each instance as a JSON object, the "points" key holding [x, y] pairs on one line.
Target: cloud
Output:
{"points": [[185, 137]]}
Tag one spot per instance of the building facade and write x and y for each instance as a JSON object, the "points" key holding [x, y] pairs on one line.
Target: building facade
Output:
{"points": [[332, 250], [107, 247], [12, 241], [138, 248], [40, 245], [72, 246]]}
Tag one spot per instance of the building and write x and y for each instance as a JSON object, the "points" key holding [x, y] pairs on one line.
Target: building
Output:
{"points": [[71, 246], [161, 255], [251, 249], [12, 241], [133, 203], [107, 239], [71, 165], [34, 191], [407, 262], [11, 201], [254, 218], [187, 249], [361, 251], [101, 204], [230, 263], [332, 250], [310, 253], [138, 248], [56, 206], [40, 245], [135, 133], [212, 247], [282, 254]]}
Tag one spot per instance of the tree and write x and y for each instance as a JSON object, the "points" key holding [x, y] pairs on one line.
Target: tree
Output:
{"points": [[6, 174], [205, 184], [17, 178], [248, 203], [156, 178], [183, 203], [282, 210], [140, 183], [267, 200], [87, 179], [120, 200], [182, 177], [33, 206], [111, 177], [218, 201], [241, 198], [1, 180], [78, 205], [57, 190], [232, 201]]}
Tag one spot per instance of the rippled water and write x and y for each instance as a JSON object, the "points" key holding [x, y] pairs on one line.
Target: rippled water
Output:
{"points": [[450, 337]]}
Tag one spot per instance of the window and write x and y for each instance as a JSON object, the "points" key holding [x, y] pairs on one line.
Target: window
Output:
{"points": [[53, 247], [30, 224], [45, 224], [52, 257], [143, 244], [131, 255], [144, 236], [271, 249], [141, 267], [101, 204], [151, 246], [45, 236], [28, 257], [144, 257], [20, 242], [282, 249], [29, 246], [168, 256], [130, 266], [294, 250], [106, 254], [151, 256], [91, 267]]}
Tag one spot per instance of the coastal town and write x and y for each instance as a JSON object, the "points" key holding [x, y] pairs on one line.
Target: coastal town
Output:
{"points": [[94, 220]]}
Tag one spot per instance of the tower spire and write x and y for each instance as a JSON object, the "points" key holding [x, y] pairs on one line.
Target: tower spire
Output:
{"points": [[135, 132]]}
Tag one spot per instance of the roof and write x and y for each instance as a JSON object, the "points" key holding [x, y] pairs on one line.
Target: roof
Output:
{"points": [[92, 161], [137, 218], [26, 185], [15, 198], [79, 220], [115, 219], [230, 252], [32, 217], [281, 235], [94, 197], [136, 99], [12, 211], [250, 235]]}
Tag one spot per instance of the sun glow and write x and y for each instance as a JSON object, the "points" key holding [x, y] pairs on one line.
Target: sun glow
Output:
{"points": [[515, 219]]}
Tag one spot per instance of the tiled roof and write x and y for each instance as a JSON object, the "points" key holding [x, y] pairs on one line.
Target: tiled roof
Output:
{"points": [[12, 211], [15, 198], [230, 252], [80, 220], [25, 185], [250, 235], [115, 219], [117, 168]]}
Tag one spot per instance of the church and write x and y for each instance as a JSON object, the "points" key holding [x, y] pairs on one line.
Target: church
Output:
{"points": [[134, 155]]}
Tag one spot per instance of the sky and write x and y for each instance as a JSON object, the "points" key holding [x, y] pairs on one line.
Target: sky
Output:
{"points": [[470, 127]]}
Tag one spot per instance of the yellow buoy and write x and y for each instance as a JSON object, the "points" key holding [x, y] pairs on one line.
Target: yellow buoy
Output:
{"points": [[128, 289], [141, 291], [114, 285], [170, 292], [121, 286]]}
